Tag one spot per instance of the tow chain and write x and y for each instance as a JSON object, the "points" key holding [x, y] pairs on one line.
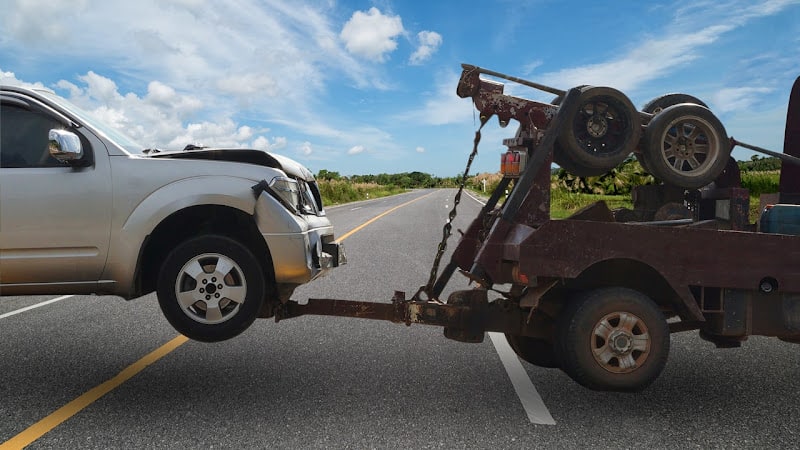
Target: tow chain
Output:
{"points": [[448, 226]]}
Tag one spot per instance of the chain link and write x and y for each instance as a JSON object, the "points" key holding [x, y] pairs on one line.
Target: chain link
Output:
{"points": [[448, 226]]}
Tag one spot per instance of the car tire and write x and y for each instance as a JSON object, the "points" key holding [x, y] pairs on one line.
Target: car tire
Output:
{"points": [[612, 339], [685, 145], [603, 131], [211, 288], [657, 105]]}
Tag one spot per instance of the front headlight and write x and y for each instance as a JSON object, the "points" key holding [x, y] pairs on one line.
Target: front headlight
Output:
{"points": [[287, 190]]}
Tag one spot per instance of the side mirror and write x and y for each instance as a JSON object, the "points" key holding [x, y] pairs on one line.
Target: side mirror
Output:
{"points": [[64, 146]]}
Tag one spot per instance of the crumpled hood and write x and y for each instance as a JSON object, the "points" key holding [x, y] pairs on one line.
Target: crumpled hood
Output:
{"points": [[241, 155]]}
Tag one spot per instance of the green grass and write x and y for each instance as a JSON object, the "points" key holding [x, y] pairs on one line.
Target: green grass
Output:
{"points": [[335, 192], [761, 182], [563, 204]]}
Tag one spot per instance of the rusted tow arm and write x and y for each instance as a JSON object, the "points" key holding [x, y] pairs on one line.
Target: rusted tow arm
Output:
{"points": [[466, 316]]}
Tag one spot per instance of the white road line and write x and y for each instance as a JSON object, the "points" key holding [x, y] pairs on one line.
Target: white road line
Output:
{"points": [[469, 194], [28, 308], [526, 391], [357, 207]]}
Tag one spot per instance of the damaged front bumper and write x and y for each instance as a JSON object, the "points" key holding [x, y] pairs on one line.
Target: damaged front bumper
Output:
{"points": [[302, 246]]}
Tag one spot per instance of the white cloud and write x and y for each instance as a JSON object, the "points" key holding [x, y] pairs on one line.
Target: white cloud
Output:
{"points": [[696, 25], [356, 150], [528, 69], [156, 69], [248, 84], [640, 64], [442, 106], [429, 42], [372, 34], [305, 149], [225, 133], [10, 79], [101, 88], [733, 99], [420, 149]]}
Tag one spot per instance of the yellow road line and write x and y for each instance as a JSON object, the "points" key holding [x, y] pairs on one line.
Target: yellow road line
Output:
{"points": [[58, 417], [62, 414], [358, 228]]}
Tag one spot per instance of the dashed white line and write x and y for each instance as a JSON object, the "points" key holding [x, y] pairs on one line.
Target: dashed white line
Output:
{"points": [[38, 305], [531, 400]]}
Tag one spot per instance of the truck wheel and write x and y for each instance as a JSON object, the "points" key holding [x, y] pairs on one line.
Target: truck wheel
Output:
{"points": [[612, 339], [604, 130], [686, 145], [210, 288], [538, 352], [563, 159], [658, 104]]}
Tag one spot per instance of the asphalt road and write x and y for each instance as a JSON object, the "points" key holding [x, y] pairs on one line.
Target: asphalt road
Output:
{"points": [[316, 382]]}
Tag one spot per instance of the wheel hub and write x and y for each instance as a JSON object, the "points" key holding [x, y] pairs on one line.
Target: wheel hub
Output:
{"points": [[620, 342], [685, 148], [597, 126], [211, 288]]}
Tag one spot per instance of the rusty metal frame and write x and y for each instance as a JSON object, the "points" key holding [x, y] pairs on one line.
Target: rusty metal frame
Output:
{"points": [[518, 243]]}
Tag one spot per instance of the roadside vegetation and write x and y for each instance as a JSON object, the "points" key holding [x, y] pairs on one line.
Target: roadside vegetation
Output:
{"points": [[569, 193]]}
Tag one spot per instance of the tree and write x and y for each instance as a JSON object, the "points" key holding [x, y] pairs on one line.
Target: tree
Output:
{"points": [[328, 175]]}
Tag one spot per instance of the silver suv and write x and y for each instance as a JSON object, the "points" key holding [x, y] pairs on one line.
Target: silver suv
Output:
{"points": [[222, 235]]}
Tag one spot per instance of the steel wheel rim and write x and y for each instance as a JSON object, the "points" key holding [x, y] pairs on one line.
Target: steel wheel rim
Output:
{"points": [[210, 288], [601, 126], [620, 342], [689, 147]]}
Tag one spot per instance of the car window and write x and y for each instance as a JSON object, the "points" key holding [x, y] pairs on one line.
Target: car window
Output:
{"points": [[24, 137]]}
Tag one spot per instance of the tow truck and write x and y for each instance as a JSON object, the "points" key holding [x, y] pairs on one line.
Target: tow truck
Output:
{"points": [[597, 294]]}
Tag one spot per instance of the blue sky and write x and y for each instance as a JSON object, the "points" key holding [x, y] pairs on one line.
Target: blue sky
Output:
{"points": [[362, 87]]}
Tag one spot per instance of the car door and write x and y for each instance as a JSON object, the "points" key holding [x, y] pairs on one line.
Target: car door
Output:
{"points": [[54, 218]]}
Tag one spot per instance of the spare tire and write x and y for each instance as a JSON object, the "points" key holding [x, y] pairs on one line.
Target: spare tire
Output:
{"points": [[686, 145], [660, 103], [604, 130]]}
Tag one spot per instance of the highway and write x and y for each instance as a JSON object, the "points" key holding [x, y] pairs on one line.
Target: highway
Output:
{"points": [[74, 374]]}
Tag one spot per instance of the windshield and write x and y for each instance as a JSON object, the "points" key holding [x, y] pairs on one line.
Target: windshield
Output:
{"points": [[117, 137]]}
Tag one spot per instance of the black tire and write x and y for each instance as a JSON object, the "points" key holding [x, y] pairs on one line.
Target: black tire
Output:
{"points": [[563, 159], [612, 339], [211, 288], [663, 102], [604, 130], [538, 352], [660, 103], [686, 145]]}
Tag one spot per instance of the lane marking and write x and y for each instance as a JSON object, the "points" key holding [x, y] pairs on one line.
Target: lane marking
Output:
{"points": [[526, 391], [531, 400], [387, 212], [38, 305], [357, 207], [59, 416]]}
